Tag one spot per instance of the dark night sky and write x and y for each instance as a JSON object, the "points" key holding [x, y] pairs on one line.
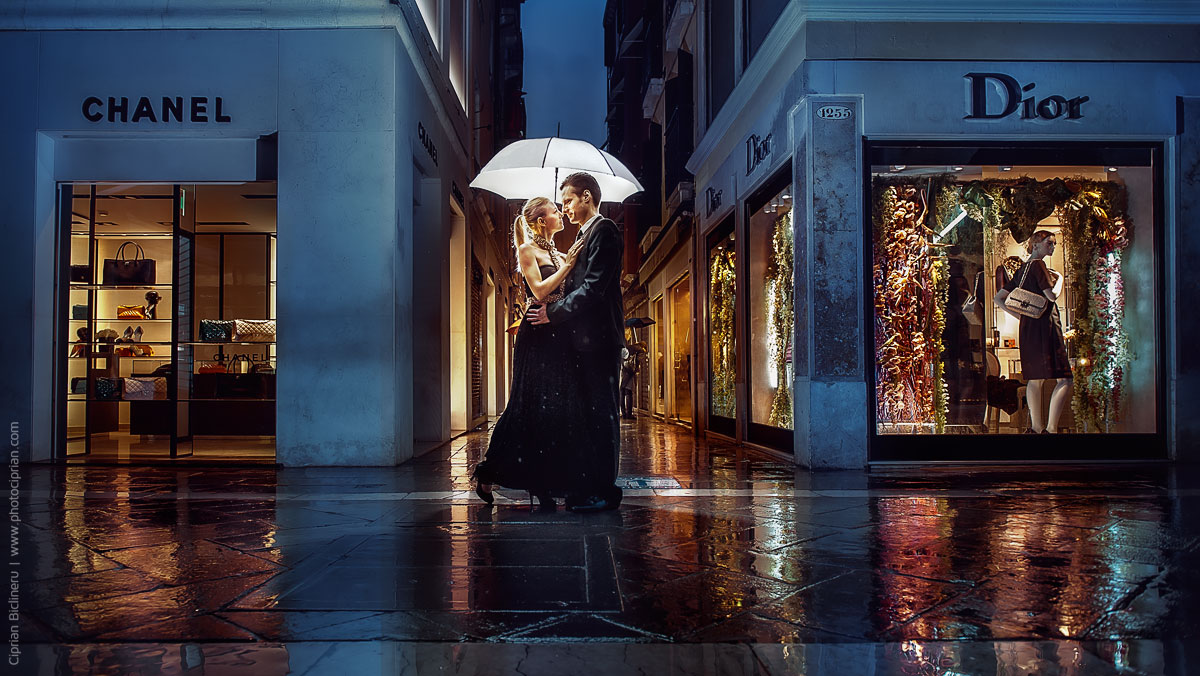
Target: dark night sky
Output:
{"points": [[565, 79]]}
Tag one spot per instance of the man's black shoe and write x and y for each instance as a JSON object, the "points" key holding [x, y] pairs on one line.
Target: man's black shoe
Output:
{"points": [[591, 504]]}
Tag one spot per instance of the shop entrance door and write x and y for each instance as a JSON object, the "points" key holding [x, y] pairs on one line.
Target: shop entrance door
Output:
{"points": [[166, 322]]}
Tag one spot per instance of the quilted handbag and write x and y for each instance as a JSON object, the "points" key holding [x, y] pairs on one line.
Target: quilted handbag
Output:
{"points": [[216, 331], [131, 312], [81, 273], [1025, 302], [211, 367], [144, 389], [108, 388], [79, 312], [254, 330]]}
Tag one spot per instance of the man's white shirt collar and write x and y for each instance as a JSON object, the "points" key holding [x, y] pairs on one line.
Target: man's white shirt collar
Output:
{"points": [[592, 220]]}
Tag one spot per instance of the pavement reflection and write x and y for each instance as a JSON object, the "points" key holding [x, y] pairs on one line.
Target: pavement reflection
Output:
{"points": [[748, 567]]}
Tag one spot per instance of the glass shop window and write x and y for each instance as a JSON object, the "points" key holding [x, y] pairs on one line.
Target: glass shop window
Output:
{"points": [[660, 357], [722, 345], [769, 252], [681, 348], [1014, 299]]}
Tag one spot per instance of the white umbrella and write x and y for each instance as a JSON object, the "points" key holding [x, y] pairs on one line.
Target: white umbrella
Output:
{"points": [[536, 167]]}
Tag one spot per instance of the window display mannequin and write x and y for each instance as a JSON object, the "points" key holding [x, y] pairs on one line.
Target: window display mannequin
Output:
{"points": [[1043, 350]]}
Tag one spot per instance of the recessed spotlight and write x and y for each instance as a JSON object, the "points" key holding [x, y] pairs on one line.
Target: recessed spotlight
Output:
{"points": [[899, 167], [785, 196], [1005, 168], [1112, 168], [958, 168]]}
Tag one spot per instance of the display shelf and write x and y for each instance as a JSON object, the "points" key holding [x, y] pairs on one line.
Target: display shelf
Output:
{"points": [[106, 356], [229, 343], [84, 286], [123, 401], [148, 235], [134, 342], [125, 319]]}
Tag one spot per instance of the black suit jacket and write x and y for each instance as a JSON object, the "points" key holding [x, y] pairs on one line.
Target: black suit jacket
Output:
{"points": [[592, 310]]}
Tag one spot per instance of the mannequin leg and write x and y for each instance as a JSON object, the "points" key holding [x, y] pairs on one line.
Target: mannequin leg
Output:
{"points": [[1033, 399], [1058, 399]]}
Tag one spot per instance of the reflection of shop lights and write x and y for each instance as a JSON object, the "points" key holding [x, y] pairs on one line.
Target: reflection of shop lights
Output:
{"points": [[899, 167], [1083, 361]]}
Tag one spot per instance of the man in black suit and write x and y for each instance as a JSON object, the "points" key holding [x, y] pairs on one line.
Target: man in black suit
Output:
{"points": [[593, 311]]}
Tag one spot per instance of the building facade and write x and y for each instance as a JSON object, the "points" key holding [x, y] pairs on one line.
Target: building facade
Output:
{"points": [[651, 127], [868, 179], [249, 235]]}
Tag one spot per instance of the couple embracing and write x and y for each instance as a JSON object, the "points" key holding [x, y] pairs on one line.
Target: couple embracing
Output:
{"points": [[559, 434]]}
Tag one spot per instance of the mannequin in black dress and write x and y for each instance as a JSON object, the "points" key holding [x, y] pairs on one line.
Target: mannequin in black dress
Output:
{"points": [[1043, 349], [527, 449]]}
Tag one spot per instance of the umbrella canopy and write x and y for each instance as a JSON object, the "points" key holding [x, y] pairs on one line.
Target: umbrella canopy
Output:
{"points": [[536, 167]]}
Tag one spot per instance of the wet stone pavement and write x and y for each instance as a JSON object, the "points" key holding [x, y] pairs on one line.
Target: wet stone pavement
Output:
{"points": [[748, 567]]}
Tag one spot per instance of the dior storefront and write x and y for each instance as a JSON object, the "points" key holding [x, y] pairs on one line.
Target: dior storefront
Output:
{"points": [[211, 246], [854, 242]]}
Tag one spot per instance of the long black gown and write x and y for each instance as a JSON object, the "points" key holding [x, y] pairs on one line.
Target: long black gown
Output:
{"points": [[531, 446]]}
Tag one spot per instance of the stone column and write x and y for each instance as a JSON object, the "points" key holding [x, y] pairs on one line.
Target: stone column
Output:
{"points": [[828, 355], [1183, 363], [339, 246]]}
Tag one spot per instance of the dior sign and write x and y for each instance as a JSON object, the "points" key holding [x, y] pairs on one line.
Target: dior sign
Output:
{"points": [[712, 200], [757, 150], [1011, 92]]}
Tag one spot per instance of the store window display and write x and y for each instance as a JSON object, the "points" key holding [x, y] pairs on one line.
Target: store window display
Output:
{"points": [[1014, 299], [681, 348], [168, 301], [722, 289], [770, 251]]}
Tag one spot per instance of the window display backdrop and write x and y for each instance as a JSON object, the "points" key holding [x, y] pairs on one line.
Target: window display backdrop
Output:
{"points": [[722, 353], [945, 239]]}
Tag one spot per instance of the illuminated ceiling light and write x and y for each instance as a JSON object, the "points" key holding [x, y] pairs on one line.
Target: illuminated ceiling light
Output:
{"points": [[1005, 168], [785, 196], [1112, 168], [899, 167], [958, 168]]}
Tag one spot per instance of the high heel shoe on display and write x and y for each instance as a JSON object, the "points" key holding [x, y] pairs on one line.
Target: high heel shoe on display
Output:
{"points": [[137, 335], [484, 494], [126, 337]]}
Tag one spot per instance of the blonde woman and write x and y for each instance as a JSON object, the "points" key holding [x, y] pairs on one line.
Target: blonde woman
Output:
{"points": [[527, 449]]}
